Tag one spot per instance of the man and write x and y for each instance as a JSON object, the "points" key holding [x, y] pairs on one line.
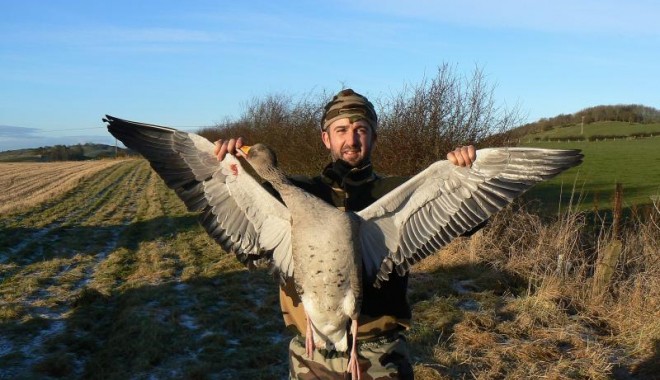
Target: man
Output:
{"points": [[349, 132]]}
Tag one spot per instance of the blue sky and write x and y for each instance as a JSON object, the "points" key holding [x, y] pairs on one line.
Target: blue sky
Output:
{"points": [[64, 64]]}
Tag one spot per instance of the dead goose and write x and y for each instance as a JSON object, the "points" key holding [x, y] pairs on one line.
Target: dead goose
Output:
{"points": [[321, 247]]}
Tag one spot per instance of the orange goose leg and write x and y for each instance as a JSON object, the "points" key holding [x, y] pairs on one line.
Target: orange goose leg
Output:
{"points": [[353, 365], [309, 338]]}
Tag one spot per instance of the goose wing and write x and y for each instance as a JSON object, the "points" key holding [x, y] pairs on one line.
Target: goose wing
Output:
{"points": [[236, 211], [445, 201]]}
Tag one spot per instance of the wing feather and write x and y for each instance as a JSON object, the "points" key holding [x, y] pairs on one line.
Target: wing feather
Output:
{"points": [[446, 201], [235, 210]]}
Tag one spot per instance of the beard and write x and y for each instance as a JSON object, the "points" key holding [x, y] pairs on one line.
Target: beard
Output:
{"points": [[350, 156]]}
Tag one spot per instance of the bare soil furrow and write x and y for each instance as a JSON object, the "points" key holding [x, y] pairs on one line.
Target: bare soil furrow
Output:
{"points": [[121, 202], [23, 242], [117, 213], [105, 198], [25, 192], [74, 245], [41, 182]]}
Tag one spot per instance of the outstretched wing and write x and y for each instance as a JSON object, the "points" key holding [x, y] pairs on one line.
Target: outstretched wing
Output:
{"points": [[235, 209], [446, 201]]}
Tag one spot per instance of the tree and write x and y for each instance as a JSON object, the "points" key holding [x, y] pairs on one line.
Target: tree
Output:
{"points": [[423, 122]]}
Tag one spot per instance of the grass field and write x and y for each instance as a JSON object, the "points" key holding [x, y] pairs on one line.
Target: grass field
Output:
{"points": [[114, 279], [633, 163], [601, 128]]}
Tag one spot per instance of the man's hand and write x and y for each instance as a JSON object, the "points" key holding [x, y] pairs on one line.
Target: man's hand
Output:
{"points": [[463, 156], [229, 146]]}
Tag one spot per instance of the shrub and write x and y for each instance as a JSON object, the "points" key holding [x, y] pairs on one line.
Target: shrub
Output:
{"points": [[417, 126]]}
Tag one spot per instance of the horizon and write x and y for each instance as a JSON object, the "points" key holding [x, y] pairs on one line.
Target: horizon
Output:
{"points": [[64, 65]]}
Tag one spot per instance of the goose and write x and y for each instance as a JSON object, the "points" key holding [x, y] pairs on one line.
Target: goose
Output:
{"points": [[325, 250]]}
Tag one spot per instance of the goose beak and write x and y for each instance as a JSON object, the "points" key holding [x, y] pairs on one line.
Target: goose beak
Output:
{"points": [[245, 149]]}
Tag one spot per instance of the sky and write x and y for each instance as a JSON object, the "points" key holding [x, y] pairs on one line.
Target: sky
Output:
{"points": [[65, 64]]}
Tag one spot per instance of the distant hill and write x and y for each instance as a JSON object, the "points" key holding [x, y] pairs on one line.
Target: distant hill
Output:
{"points": [[599, 130], [624, 113], [78, 152]]}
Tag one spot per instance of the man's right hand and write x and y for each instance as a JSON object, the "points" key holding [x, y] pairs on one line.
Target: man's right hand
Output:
{"points": [[222, 147]]}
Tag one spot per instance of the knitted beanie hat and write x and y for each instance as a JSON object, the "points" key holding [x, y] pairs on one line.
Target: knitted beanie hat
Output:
{"points": [[350, 104]]}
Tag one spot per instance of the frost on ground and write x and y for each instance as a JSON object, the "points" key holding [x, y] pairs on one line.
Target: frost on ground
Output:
{"points": [[29, 348], [116, 275], [6, 346], [52, 269]]}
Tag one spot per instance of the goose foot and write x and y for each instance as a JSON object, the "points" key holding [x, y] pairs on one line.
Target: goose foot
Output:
{"points": [[353, 365], [309, 339]]}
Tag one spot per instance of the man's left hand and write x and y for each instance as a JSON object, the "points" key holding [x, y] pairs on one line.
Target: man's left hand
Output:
{"points": [[463, 156]]}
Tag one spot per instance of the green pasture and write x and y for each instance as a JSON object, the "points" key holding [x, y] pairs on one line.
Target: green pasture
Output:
{"points": [[634, 163], [603, 128]]}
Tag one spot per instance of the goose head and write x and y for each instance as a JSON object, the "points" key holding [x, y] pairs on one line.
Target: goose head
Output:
{"points": [[260, 157]]}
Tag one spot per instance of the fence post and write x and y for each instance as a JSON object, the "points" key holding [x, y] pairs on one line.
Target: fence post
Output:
{"points": [[608, 257]]}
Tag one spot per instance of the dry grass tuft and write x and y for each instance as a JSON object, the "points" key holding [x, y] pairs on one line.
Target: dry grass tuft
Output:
{"points": [[547, 320]]}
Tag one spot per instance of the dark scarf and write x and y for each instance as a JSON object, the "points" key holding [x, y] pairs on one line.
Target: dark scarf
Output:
{"points": [[340, 173]]}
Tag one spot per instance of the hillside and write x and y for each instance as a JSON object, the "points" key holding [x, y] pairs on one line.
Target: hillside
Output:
{"points": [[630, 114], [80, 152], [599, 130]]}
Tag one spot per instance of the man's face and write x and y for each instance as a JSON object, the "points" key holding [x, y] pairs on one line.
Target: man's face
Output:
{"points": [[350, 142]]}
